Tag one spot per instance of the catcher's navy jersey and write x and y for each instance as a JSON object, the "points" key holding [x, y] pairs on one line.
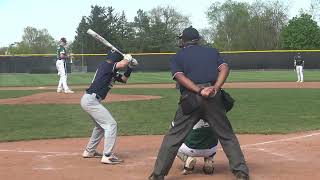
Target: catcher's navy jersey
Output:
{"points": [[103, 79], [187, 61]]}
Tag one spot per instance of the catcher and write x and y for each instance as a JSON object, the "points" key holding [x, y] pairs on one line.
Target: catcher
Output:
{"points": [[200, 142]]}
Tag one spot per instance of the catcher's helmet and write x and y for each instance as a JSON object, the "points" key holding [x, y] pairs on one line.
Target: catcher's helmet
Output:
{"points": [[63, 39], [114, 55]]}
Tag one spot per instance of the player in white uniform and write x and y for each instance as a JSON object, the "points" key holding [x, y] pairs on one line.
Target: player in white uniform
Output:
{"points": [[200, 142], [299, 64], [61, 67]]}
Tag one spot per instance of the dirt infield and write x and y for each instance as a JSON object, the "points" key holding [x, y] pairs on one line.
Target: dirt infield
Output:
{"points": [[269, 157], [61, 98]]}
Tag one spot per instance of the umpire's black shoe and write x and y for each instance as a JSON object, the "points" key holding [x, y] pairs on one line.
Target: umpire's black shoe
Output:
{"points": [[241, 175], [155, 177]]}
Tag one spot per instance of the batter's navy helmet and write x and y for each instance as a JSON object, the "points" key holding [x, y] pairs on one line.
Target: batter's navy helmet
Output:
{"points": [[114, 55]]}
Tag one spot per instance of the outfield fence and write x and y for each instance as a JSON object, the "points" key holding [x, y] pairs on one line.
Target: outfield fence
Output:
{"points": [[45, 63]]}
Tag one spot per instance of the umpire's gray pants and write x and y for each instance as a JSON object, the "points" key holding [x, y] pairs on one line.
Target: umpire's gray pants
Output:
{"points": [[212, 111], [105, 125]]}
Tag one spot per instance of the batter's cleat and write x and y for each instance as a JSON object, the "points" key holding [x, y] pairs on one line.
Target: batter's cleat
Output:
{"points": [[68, 91], [189, 165], [59, 90], [94, 154], [208, 167], [111, 159], [239, 175]]}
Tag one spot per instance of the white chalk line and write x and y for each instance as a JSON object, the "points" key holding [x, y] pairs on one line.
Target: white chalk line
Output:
{"points": [[268, 152], [243, 146], [46, 168], [247, 146], [274, 153], [282, 140], [42, 152]]}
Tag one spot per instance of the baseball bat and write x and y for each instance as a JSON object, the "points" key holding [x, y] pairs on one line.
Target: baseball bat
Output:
{"points": [[103, 41]]}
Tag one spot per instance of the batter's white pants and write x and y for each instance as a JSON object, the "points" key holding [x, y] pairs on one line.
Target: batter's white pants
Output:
{"points": [[299, 70], [105, 125], [197, 152], [61, 67]]}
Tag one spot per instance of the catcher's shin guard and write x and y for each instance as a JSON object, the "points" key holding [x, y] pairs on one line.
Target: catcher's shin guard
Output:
{"points": [[189, 165], [208, 167], [183, 157]]}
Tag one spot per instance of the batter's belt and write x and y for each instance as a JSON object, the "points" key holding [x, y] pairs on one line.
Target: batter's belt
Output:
{"points": [[96, 96]]}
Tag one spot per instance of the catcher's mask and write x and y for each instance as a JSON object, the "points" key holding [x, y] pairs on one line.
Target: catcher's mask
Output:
{"points": [[114, 55], [189, 36]]}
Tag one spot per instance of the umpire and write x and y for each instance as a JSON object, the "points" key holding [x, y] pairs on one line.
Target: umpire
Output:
{"points": [[201, 72]]}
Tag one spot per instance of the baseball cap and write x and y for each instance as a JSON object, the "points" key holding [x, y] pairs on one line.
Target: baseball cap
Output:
{"points": [[189, 34]]}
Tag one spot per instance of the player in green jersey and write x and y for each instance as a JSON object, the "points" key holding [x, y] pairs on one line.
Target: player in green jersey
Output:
{"points": [[200, 142], [61, 67]]}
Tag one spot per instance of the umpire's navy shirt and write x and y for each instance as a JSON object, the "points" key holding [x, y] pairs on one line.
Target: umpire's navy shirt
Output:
{"points": [[102, 80], [199, 64]]}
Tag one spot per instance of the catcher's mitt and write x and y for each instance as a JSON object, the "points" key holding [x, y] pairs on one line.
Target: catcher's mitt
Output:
{"points": [[228, 101]]}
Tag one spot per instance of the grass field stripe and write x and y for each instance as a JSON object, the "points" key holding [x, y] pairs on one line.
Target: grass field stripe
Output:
{"points": [[282, 140]]}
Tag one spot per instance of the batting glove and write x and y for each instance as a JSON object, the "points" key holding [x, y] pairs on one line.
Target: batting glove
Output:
{"points": [[128, 57], [133, 63]]}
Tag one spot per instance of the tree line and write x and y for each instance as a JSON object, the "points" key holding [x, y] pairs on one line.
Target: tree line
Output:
{"points": [[233, 26]]}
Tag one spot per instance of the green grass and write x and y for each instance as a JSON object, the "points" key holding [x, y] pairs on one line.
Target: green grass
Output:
{"points": [[263, 111], [152, 77], [270, 111], [76, 79], [271, 76]]}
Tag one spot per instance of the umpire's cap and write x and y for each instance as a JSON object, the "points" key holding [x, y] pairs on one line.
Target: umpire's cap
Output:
{"points": [[114, 55], [189, 34], [63, 39]]}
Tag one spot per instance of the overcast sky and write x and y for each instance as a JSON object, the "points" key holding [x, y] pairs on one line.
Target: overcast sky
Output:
{"points": [[62, 17]]}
